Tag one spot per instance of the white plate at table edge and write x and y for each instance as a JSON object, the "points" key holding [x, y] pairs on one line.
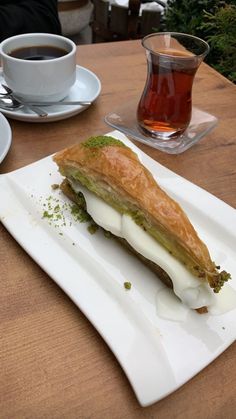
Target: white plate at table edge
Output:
{"points": [[5, 137], [56, 113], [158, 356]]}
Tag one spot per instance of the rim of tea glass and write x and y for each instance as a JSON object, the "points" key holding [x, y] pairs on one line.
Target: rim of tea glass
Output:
{"points": [[36, 35], [176, 34]]}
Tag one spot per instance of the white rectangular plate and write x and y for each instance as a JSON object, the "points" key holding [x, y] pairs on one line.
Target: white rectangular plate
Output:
{"points": [[157, 355]]}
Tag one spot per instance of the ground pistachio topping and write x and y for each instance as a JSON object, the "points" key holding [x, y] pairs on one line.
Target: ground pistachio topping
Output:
{"points": [[127, 285], [55, 212], [79, 213], [221, 279], [92, 228], [107, 234], [102, 141]]}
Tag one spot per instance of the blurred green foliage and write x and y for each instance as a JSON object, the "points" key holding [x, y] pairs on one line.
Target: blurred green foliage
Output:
{"points": [[211, 20]]}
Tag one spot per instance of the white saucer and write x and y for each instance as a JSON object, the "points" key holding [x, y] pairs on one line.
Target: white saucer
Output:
{"points": [[86, 88], [5, 137]]}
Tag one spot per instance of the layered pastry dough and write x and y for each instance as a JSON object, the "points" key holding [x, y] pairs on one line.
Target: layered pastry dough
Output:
{"points": [[113, 172]]}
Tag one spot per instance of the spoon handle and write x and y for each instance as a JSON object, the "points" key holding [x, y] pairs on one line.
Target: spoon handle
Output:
{"points": [[66, 102], [36, 110]]}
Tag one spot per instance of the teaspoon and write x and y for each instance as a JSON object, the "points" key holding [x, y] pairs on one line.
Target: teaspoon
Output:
{"points": [[18, 99], [17, 104], [9, 103]]}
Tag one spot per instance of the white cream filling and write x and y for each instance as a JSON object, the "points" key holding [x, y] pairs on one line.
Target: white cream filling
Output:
{"points": [[187, 287], [103, 214]]}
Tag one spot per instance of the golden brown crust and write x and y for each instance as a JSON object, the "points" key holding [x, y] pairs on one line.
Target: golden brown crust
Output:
{"points": [[120, 167], [202, 310], [111, 170]]}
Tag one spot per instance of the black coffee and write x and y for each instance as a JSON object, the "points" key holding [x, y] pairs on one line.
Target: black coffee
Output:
{"points": [[38, 53]]}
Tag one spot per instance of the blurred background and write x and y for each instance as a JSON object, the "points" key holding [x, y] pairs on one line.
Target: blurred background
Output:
{"points": [[90, 21]]}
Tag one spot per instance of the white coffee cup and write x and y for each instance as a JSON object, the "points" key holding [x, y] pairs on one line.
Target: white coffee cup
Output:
{"points": [[34, 79]]}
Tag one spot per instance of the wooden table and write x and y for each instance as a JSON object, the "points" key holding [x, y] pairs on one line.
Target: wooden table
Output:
{"points": [[54, 363]]}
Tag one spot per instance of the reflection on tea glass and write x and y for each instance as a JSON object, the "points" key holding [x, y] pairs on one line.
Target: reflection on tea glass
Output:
{"points": [[164, 110]]}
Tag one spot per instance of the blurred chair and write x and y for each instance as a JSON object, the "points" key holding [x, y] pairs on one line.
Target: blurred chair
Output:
{"points": [[112, 22], [75, 17]]}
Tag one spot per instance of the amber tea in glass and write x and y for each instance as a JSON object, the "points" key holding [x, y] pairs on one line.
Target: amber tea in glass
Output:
{"points": [[164, 110]]}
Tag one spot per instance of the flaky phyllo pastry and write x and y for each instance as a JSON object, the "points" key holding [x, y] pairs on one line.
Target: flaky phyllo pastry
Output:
{"points": [[112, 172]]}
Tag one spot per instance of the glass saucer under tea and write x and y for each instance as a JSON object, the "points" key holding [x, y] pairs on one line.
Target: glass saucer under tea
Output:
{"points": [[200, 125]]}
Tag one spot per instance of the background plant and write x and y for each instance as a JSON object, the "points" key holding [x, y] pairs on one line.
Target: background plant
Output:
{"points": [[212, 20]]}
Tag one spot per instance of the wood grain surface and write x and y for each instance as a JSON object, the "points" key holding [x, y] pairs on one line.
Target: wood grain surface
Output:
{"points": [[53, 362]]}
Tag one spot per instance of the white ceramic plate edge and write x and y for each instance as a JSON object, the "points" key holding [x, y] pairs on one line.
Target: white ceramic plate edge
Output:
{"points": [[5, 137], [136, 343], [78, 283]]}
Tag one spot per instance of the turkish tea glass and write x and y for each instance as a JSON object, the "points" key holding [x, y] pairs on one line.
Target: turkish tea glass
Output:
{"points": [[164, 110]]}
